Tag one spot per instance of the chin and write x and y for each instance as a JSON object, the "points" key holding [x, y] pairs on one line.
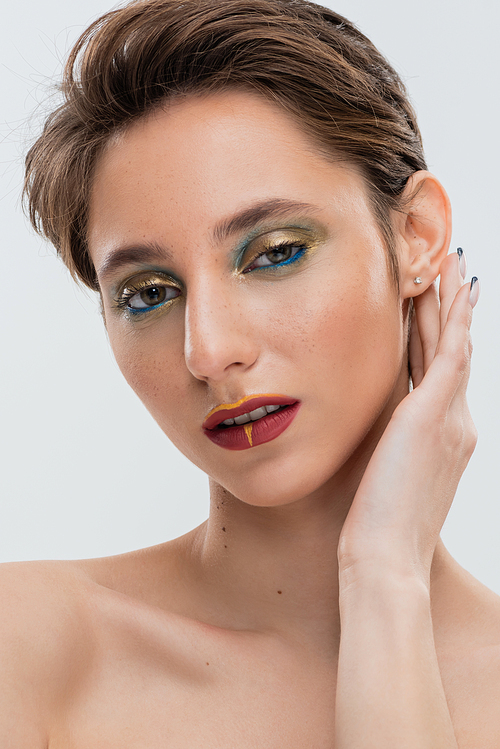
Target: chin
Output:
{"points": [[279, 482], [263, 494]]}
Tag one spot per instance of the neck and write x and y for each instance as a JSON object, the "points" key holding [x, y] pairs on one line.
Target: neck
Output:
{"points": [[275, 569], [276, 566]]}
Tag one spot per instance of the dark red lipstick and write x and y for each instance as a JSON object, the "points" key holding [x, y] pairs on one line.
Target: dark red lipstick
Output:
{"points": [[259, 428]]}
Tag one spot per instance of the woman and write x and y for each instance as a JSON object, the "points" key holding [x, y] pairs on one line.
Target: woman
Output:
{"points": [[244, 185]]}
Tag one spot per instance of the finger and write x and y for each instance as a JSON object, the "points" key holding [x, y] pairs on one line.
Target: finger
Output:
{"points": [[416, 354], [455, 351], [449, 372], [428, 323], [450, 282], [473, 297]]}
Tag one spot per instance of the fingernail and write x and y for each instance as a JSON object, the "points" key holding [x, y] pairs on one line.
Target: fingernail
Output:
{"points": [[474, 291], [462, 262]]}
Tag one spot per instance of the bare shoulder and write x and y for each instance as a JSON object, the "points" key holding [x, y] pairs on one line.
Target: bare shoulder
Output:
{"points": [[62, 622], [472, 685], [470, 661], [45, 639]]}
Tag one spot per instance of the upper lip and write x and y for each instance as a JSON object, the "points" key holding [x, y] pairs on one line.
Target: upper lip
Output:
{"points": [[249, 403]]}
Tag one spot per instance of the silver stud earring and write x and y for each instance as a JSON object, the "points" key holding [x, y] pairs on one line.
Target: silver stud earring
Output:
{"points": [[417, 280]]}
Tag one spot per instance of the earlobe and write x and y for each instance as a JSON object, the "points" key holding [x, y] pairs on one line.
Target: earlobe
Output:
{"points": [[425, 233]]}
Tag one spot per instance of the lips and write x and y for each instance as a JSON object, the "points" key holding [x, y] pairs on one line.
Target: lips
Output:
{"points": [[251, 433]]}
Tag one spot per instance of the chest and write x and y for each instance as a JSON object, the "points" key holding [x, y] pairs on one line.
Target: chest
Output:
{"points": [[232, 695], [230, 700]]}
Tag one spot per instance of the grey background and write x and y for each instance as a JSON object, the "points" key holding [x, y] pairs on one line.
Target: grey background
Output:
{"points": [[84, 469]]}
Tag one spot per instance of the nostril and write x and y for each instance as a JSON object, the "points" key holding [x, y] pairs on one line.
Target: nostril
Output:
{"points": [[218, 330], [213, 361]]}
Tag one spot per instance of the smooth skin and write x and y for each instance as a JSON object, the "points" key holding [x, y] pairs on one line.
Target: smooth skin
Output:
{"points": [[317, 606]]}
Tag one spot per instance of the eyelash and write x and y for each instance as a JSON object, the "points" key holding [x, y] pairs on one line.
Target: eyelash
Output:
{"points": [[123, 300], [130, 291], [279, 247]]}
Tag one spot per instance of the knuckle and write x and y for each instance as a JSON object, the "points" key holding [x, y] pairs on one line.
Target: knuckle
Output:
{"points": [[462, 437], [470, 441]]}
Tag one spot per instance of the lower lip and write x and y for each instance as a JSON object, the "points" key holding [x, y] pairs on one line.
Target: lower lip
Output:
{"points": [[263, 430]]}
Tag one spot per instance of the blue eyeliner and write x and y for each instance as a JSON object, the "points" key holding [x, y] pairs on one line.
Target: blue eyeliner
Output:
{"points": [[135, 287], [242, 247], [276, 266], [140, 310], [290, 260], [262, 245]]}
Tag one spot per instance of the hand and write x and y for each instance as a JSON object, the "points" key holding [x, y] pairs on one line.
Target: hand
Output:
{"points": [[411, 479]]}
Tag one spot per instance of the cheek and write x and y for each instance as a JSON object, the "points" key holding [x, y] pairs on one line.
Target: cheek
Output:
{"points": [[350, 345], [341, 326], [151, 363], [368, 331], [156, 378], [366, 344]]}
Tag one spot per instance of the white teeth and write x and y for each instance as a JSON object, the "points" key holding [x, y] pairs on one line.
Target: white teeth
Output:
{"points": [[242, 419], [258, 413]]}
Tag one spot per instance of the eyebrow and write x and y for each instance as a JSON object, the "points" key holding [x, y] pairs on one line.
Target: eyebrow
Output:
{"points": [[247, 218], [151, 252], [146, 253]]}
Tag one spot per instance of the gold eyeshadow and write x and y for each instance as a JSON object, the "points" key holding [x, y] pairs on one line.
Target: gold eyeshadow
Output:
{"points": [[266, 253], [283, 249], [141, 283]]}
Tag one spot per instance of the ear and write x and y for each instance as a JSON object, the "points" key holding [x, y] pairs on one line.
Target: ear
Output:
{"points": [[424, 232]]}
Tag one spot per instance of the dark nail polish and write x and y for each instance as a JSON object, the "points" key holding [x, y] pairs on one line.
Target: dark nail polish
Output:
{"points": [[474, 291], [462, 262]]}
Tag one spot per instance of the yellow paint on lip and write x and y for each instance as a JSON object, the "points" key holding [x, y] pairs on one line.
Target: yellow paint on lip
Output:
{"points": [[248, 432], [227, 406]]}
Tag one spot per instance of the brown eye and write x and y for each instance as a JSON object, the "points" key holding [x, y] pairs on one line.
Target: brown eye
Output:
{"points": [[279, 255], [153, 295], [282, 254], [150, 297]]}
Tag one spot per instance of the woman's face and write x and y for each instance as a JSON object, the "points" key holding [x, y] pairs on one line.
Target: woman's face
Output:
{"points": [[236, 261]]}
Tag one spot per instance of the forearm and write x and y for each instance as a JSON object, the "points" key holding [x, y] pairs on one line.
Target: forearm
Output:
{"points": [[389, 689]]}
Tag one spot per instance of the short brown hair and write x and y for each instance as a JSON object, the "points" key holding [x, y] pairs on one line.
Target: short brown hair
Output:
{"points": [[305, 58]]}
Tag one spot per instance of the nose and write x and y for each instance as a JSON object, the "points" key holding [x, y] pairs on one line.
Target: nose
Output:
{"points": [[219, 334]]}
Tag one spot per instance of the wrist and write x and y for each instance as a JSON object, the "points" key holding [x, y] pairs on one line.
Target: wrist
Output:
{"points": [[394, 598], [395, 560], [384, 573]]}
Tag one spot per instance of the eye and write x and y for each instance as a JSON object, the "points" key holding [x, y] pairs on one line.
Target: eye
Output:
{"points": [[281, 254], [143, 295], [152, 296]]}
